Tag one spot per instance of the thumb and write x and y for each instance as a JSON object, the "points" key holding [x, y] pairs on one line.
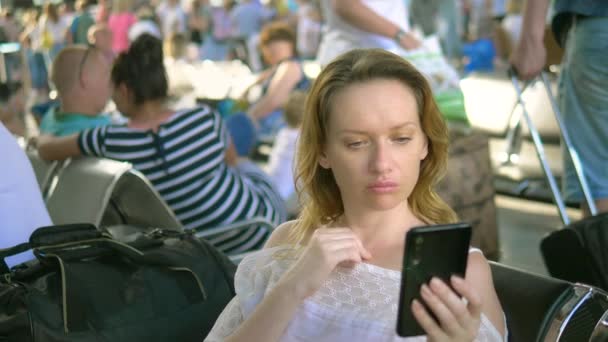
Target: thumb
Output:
{"points": [[365, 254]]}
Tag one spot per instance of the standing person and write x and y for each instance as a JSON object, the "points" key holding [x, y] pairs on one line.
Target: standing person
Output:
{"points": [[100, 36], [103, 11], [199, 19], [120, 22], [10, 26], [31, 39], [172, 18], [353, 24], [334, 274], [79, 28], [216, 46], [22, 209], [53, 30], [309, 27], [183, 153], [581, 27], [147, 22], [248, 17]]}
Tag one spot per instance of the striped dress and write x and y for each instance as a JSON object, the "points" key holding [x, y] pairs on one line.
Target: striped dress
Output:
{"points": [[185, 161]]}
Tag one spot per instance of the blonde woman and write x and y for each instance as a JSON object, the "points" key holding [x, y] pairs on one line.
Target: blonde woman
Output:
{"points": [[373, 145]]}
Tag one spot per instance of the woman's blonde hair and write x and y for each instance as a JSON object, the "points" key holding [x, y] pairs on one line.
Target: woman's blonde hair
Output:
{"points": [[316, 186]]}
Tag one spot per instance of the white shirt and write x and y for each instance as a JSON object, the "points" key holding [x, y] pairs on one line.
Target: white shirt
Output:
{"points": [[172, 18], [341, 37], [280, 166], [358, 304], [21, 207]]}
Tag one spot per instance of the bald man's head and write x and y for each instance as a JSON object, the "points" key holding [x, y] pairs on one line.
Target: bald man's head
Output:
{"points": [[66, 71]]}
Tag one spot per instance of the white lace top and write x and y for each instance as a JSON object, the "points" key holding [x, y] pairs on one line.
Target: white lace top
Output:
{"points": [[358, 304]]}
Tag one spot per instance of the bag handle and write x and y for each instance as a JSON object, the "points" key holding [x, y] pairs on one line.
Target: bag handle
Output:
{"points": [[48, 236]]}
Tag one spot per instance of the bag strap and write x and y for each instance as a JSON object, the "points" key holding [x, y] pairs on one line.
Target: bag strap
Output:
{"points": [[7, 252]]}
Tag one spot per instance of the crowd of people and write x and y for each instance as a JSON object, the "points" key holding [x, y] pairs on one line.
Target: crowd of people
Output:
{"points": [[361, 147]]}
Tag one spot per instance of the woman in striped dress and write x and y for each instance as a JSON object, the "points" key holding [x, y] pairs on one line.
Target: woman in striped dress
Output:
{"points": [[183, 153]]}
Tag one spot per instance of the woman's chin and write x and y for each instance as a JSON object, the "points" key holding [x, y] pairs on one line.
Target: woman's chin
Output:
{"points": [[383, 203]]}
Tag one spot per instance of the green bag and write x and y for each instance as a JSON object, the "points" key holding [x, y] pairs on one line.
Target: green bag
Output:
{"points": [[443, 78], [451, 105], [87, 286]]}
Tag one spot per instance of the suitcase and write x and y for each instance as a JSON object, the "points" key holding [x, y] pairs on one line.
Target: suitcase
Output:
{"points": [[579, 251]]}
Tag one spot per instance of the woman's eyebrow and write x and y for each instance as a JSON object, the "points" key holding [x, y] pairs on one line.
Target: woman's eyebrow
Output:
{"points": [[394, 128]]}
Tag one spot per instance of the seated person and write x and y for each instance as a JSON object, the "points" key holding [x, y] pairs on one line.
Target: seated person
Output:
{"points": [[372, 146], [100, 36], [277, 41], [82, 78], [280, 164], [22, 209], [183, 153], [12, 106]]}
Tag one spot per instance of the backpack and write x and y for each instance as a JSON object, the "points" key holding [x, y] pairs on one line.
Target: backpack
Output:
{"points": [[85, 285]]}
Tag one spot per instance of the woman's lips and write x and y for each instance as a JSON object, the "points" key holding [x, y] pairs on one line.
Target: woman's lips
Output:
{"points": [[383, 187]]}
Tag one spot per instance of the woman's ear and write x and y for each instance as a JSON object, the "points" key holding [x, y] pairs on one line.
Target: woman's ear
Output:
{"points": [[125, 92], [324, 161], [425, 148]]}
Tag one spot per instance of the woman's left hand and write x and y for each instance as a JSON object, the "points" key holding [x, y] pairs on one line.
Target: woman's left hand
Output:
{"points": [[458, 320]]}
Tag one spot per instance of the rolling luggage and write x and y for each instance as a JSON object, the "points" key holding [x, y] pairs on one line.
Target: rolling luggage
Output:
{"points": [[579, 251]]}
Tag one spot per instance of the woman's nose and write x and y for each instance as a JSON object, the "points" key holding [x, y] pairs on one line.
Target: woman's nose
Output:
{"points": [[381, 158]]}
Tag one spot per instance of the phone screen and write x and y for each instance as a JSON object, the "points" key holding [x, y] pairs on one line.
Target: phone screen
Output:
{"points": [[430, 251]]}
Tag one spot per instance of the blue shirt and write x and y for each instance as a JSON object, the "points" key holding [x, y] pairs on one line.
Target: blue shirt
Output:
{"points": [[566, 9], [248, 18], [63, 124]]}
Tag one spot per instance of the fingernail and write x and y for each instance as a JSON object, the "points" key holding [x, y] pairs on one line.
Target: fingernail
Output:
{"points": [[424, 289], [456, 280], [415, 305], [435, 282]]}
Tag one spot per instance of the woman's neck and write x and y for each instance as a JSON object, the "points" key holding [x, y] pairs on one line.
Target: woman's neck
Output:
{"points": [[149, 114], [380, 227]]}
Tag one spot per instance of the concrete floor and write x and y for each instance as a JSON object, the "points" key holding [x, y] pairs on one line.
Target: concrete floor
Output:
{"points": [[522, 224]]}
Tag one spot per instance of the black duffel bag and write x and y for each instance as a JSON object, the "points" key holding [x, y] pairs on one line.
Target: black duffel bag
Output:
{"points": [[86, 286], [579, 252]]}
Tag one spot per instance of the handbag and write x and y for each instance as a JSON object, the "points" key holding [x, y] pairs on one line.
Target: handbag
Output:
{"points": [[85, 285]]}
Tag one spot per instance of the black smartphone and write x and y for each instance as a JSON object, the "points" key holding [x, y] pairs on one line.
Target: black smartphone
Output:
{"points": [[430, 251]]}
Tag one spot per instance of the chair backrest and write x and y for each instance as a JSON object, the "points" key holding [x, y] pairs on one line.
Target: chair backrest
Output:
{"points": [[106, 192], [137, 203], [540, 308], [44, 170]]}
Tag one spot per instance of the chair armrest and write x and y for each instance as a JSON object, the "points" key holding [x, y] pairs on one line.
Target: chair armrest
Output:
{"points": [[244, 224], [529, 301]]}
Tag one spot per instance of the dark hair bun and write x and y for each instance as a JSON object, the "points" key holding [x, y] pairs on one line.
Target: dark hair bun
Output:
{"points": [[146, 51], [142, 69]]}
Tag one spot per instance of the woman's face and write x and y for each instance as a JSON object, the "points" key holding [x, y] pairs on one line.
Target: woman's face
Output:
{"points": [[375, 144], [276, 51]]}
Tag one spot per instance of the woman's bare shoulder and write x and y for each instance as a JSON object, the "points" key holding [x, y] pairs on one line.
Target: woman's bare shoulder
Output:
{"points": [[280, 235]]}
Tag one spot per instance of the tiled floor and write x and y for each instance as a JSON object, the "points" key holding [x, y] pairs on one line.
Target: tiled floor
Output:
{"points": [[522, 224]]}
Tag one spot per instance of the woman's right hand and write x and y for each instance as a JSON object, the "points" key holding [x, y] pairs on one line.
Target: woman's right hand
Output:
{"points": [[326, 249]]}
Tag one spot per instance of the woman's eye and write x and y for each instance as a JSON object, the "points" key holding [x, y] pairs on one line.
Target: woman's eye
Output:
{"points": [[355, 144], [402, 140]]}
